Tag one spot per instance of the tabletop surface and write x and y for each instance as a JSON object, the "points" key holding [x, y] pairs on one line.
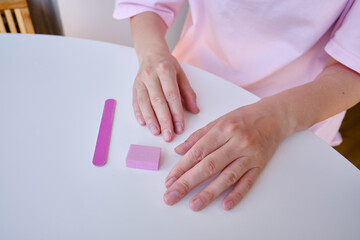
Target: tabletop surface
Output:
{"points": [[52, 92]]}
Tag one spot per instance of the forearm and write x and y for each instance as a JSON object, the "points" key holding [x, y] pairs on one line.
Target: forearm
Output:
{"points": [[337, 88], [148, 33]]}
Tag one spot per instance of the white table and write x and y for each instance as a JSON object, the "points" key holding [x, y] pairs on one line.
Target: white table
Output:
{"points": [[52, 91]]}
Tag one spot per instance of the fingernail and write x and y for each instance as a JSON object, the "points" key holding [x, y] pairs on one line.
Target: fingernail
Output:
{"points": [[169, 182], [197, 108], [181, 144], [180, 148], [229, 205], [167, 134], [153, 128], [197, 204], [140, 121], [172, 197], [179, 127]]}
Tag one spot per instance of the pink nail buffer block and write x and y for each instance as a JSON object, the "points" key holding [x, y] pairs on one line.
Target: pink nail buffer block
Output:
{"points": [[144, 157], [103, 140]]}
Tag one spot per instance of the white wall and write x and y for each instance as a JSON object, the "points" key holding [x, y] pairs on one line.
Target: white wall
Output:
{"points": [[92, 19]]}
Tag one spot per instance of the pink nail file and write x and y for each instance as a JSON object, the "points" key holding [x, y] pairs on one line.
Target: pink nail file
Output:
{"points": [[103, 140]]}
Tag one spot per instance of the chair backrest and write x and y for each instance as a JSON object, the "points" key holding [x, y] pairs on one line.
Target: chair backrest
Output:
{"points": [[15, 17]]}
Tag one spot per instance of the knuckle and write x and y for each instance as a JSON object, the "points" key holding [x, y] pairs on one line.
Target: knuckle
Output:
{"points": [[165, 122], [229, 127], [164, 66], [207, 195], [178, 171], [246, 141], [233, 127], [243, 163], [141, 98], [249, 183], [210, 167], [197, 154], [147, 72], [238, 196], [157, 100], [184, 187], [230, 178], [172, 96], [148, 119]]}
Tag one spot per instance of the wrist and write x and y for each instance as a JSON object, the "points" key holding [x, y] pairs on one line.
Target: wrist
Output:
{"points": [[148, 32], [283, 113], [151, 50]]}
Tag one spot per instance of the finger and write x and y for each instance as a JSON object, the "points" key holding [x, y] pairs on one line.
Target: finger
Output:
{"points": [[241, 188], [227, 178], [172, 95], [206, 145], [146, 109], [161, 109], [187, 93], [207, 168], [137, 112], [190, 141]]}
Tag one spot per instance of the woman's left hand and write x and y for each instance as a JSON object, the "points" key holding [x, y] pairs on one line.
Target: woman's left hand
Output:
{"points": [[237, 145]]}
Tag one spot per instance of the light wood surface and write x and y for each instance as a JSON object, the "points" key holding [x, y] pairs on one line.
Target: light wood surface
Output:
{"points": [[2, 26], [20, 20], [7, 4], [10, 21], [21, 23], [27, 20]]}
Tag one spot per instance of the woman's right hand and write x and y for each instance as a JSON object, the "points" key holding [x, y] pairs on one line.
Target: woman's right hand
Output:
{"points": [[159, 90]]}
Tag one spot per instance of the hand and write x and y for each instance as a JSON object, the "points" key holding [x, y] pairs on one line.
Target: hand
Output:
{"points": [[158, 91], [237, 146]]}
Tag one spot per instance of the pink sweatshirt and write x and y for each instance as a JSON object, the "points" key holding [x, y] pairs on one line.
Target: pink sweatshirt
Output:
{"points": [[264, 46]]}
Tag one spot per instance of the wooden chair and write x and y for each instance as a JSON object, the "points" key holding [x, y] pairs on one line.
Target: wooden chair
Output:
{"points": [[15, 17], [350, 131]]}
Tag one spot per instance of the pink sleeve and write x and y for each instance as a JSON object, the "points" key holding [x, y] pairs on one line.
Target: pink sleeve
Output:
{"points": [[345, 43], [166, 9]]}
